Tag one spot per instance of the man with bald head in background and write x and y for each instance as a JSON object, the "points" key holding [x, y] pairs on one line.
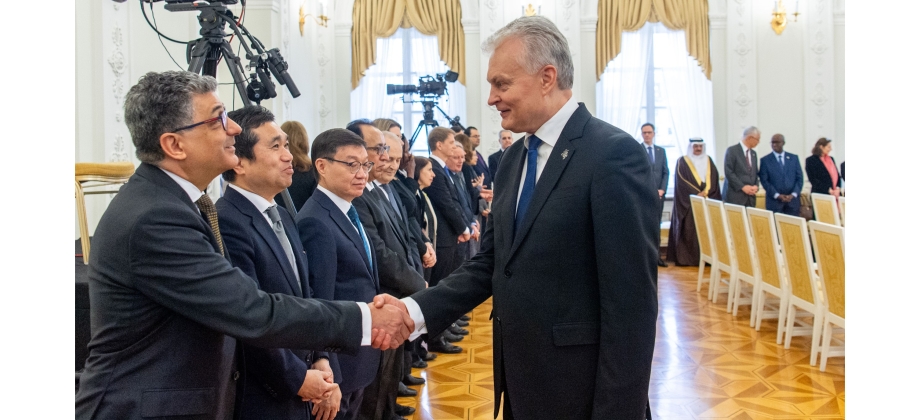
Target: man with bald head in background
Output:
{"points": [[505, 138]]}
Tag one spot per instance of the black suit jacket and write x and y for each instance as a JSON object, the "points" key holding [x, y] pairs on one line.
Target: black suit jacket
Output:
{"points": [[407, 189], [574, 291], [737, 175], [340, 270], [494, 160], [273, 376], [447, 207], [165, 307], [392, 244], [818, 175], [661, 175]]}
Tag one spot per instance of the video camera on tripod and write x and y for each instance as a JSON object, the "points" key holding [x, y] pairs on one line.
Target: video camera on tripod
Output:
{"points": [[204, 53], [429, 88]]}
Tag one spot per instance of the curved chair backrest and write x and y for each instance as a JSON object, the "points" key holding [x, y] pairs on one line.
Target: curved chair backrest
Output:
{"points": [[719, 231], [830, 250], [766, 245], [793, 236], [826, 209], [741, 238], [702, 224]]}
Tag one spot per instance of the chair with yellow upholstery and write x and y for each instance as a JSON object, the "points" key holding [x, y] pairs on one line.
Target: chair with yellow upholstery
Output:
{"points": [[826, 209], [773, 281], [746, 269], [807, 295], [704, 237], [96, 178], [724, 258], [830, 251]]}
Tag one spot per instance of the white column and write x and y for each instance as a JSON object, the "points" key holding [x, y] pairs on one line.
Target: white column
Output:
{"points": [[718, 60], [741, 61], [819, 71], [115, 83], [337, 106], [585, 75]]}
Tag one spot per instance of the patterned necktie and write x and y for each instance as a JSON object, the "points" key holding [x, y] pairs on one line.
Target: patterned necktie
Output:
{"points": [[355, 220], [530, 181], [651, 155], [278, 227], [210, 212], [747, 154]]}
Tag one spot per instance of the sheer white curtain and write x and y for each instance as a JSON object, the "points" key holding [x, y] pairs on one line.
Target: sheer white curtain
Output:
{"points": [[370, 99], [622, 86], [688, 91]]}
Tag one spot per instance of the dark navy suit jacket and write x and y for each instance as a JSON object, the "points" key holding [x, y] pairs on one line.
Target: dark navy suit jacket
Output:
{"points": [[339, 269], [779, 178], [273, 376]]}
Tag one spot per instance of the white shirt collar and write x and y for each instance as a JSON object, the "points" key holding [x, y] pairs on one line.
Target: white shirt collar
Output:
{"points": [[439, 160], [193, 192], [339, 202], [257, 200], [744, 148], [780, 155], [370, 186], [550, 131], [378, 184]]}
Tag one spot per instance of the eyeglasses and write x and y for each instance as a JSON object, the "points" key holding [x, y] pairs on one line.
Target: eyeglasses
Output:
{"points": [[380, 148], [353, 166], [222, 118]]}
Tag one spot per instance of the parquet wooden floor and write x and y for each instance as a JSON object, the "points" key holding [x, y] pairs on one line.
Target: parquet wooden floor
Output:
{"points": [[707, 365]]}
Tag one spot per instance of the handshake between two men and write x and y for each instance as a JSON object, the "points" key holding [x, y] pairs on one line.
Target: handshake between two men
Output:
{"points": [[391, 324]]}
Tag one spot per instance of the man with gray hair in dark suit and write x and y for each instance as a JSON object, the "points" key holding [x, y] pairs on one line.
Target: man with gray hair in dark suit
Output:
{"points": [[740, 162]]}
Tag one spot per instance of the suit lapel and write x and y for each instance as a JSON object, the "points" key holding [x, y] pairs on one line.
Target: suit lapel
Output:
{"points": [[300, 257], [506, 201], [260, 225], [343, 223]]}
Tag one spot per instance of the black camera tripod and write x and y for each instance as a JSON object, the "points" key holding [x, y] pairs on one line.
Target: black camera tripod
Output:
{"points": [[429, 121]]}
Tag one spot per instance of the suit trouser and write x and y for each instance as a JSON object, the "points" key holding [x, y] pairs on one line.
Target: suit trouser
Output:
{"points": [[350, 405], [660, 212], [380, 396], [448, 261], [791, 208]]}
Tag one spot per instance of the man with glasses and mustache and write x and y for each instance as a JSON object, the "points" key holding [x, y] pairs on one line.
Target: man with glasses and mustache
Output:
{"points": [[339, 250], [167, 306]]}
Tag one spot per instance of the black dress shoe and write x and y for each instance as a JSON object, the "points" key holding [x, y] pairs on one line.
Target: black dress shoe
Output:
{"points": [[404, 391], [412, 380], [462, 323], [403, 411], [451, 337], [465, 318], [419, 364], [454, 329], [661, 263], [442, 346], [429, 356]]}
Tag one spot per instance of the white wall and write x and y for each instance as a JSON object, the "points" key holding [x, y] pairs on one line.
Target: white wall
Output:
{"points": [[791, 83]]}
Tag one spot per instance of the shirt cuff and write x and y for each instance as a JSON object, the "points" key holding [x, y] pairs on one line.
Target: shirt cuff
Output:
{"points": [[467, 231], [415, 312], [366, 323], [775, 196], [795, 194]]}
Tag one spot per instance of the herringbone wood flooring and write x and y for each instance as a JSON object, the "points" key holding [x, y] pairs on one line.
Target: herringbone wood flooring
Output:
{"points": [[707, 365]]}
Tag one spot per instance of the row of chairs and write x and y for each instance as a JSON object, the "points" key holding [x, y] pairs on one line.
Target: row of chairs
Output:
{"points": [[829, 209], [769, 265]]}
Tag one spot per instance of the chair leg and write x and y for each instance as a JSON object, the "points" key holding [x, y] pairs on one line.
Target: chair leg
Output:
{"points": [[732, 286], [826, 342], [758, 315], [713, 284], [81, 216], [699, 278], [781, 319], [790, 325], [816, 336], [756, 295]]}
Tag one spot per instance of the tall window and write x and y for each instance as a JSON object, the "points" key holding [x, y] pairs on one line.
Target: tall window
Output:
{"points": [[401, 60], [654, 79]]}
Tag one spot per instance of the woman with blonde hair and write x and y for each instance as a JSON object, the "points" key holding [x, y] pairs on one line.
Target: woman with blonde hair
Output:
{"points": [[303, 181]]}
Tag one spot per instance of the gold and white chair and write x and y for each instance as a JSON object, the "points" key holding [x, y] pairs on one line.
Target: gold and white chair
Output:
{"points": [[841, 203], [96, 178], [704, 237], [807, 295], [829, 246], [746, 269], [826, 209], [724, 258], [770, 268]]}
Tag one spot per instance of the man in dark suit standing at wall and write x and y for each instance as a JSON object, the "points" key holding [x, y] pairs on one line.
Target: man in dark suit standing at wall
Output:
{"points": [[263, 242], [343, 264], [166, 305], [740, 166], [505, 139], [660, 172], [781, 177], [569, 252]]}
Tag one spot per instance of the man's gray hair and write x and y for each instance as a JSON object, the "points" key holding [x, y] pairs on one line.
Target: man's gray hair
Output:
{"points": [[160, 103], [543, 45], [750, 131], [504, 131]]}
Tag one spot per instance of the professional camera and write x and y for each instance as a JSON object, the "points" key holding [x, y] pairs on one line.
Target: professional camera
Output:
{"points": [[427, 85]]}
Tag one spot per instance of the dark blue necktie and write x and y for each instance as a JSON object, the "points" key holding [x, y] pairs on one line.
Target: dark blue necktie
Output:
{"points": [[530, 181], [651, 155], [353, 216]]}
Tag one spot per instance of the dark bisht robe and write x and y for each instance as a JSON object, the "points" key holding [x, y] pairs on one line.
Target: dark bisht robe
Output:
{"points": [[683, 246]]}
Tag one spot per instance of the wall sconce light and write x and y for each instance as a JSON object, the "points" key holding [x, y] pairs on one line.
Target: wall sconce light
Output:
{"points": [[530, 11], [779, 16], [320, 18]]}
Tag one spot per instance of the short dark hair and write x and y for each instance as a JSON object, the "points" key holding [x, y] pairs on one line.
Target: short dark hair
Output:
{"points": [[648, 124], [420, 163], [159, 103], [823, 141], [355, 127], [249, 119], [470, 130], [438, 135], [328, 143]]}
